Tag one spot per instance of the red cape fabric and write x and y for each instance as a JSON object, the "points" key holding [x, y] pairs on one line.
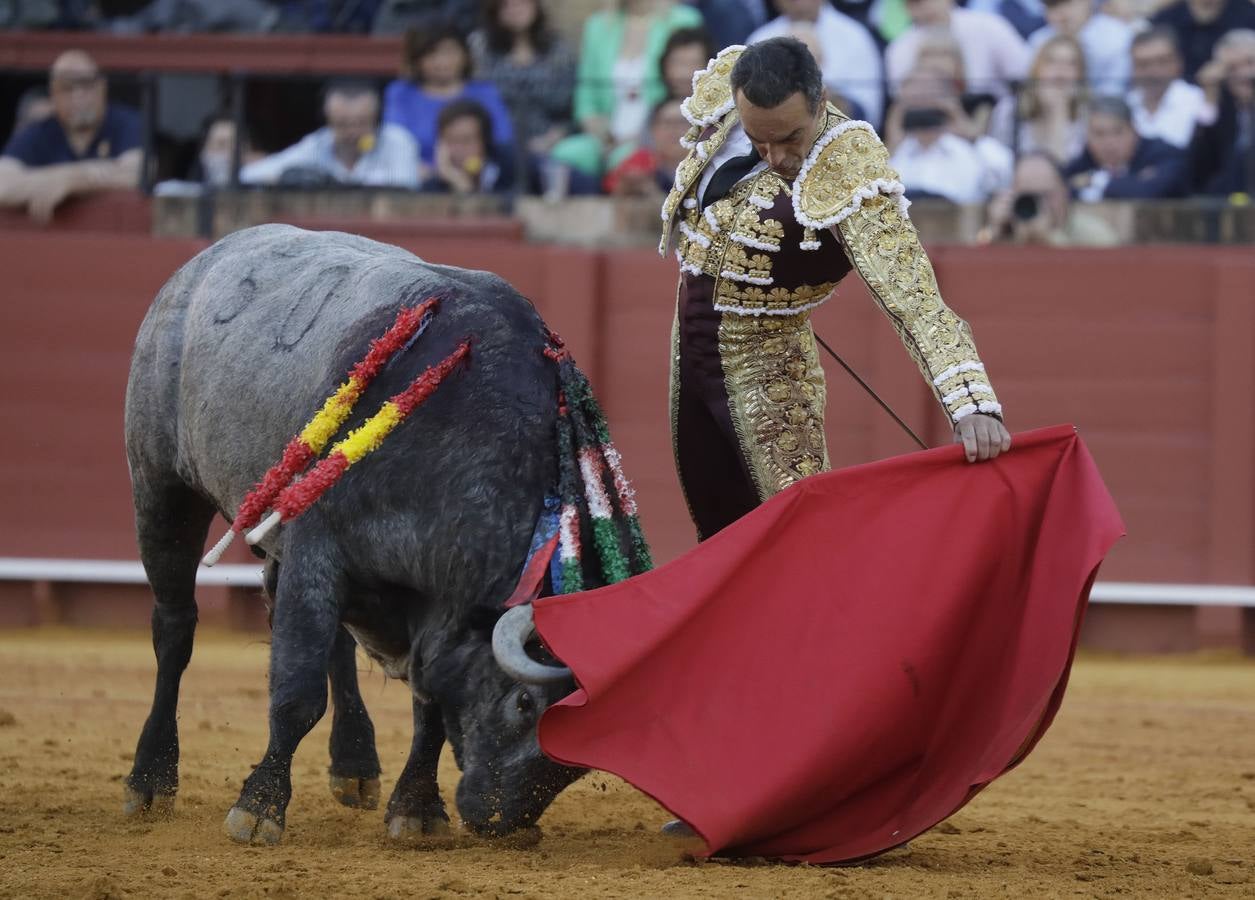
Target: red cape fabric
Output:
{"points": [[850, 663]]}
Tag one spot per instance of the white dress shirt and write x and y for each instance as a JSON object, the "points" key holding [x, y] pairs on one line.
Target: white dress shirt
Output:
{"points": [[1179, 110], [391, 162], [962, 171], [851, 60], [993, 52]]}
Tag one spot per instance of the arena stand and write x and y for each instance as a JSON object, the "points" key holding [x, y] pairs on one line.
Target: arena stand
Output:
{"points": [[1148, 348]]}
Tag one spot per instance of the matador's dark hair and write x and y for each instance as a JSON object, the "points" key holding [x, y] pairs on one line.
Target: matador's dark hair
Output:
{"points": [[771, 72]]}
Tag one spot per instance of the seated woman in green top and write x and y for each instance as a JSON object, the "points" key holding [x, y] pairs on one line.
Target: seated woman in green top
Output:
{"points": [[617, 82]]}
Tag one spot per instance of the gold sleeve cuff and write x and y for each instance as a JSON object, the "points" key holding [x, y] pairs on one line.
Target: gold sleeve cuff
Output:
{"points": [[882, 244]]}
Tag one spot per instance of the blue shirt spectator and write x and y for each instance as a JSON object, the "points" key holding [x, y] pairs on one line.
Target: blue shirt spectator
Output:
{"points": [[46, 144], [439, 64], [87, 145]]}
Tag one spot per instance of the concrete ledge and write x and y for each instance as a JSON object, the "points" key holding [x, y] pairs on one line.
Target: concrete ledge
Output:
{"points": [[1123, 617]]}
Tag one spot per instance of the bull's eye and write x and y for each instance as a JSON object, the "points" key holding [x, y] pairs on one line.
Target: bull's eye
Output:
{"points": [[525, 703]]}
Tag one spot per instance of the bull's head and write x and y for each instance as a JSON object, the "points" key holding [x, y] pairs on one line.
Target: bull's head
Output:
{"points": [[491, 694]]}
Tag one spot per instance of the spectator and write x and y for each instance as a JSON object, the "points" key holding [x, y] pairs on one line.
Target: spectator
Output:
{"points": [[1105, 40], [1025, 16], [650, 170], [33, 106], [993, 54], [847, 54], [88, 144], [1049, 113], [1224, 142], [1038, 210], [730, 21], [1163, 105], [531, 66], [939, 52], [401, 16], [352, 148], [438, 71], [217, 152], [1199, 25], [931, 158], [326, 16], [1118, 164], [618, 82], [686, 51], [466, 162], [200, 16]]}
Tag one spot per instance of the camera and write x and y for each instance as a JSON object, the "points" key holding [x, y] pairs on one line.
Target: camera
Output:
{"points": [[1026, 207], [924, 119]]}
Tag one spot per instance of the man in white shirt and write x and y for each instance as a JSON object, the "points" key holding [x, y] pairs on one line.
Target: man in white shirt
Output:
{"points": [[1105, 40], [994, 54], [352, 148], [932, 159], [1164, 105], [848, 57]]}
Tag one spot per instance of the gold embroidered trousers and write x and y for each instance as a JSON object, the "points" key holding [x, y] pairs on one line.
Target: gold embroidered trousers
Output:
{"points": [[747, 405]]}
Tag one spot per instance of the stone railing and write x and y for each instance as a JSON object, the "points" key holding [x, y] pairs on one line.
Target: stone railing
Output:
{"points": [[631, 222]]}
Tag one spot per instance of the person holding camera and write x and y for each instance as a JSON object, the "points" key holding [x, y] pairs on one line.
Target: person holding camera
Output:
{"points": [[931, 153], [1038, 210]]}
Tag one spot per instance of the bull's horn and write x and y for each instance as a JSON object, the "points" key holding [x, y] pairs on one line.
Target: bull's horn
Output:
{"points": [[508, 639]]}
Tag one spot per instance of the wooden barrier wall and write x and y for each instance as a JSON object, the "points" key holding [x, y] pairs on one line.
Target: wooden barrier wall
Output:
{"points": [[1149, 351]]}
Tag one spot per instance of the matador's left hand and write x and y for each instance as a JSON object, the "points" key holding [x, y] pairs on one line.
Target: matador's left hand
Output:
{"points": [[983, 437]]}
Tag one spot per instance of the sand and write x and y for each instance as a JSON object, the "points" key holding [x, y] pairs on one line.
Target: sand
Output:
{"points": [[1145, 787]]}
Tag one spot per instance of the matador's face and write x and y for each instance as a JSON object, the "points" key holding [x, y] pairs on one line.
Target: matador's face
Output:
{"points": [[783, 135]]}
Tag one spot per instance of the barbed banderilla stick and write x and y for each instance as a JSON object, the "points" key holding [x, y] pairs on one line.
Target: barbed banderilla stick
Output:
{"points": [[883, 405]]}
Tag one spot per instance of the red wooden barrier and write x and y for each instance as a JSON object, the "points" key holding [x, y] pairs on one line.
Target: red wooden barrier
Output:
{"points": [[1151, 352]]}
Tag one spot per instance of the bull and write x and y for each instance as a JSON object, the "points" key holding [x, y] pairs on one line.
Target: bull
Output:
{"points": [[410, 556]]}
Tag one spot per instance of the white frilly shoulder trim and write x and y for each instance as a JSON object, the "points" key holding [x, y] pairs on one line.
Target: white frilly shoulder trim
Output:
{"points": [[724, 108], [881, 186]]}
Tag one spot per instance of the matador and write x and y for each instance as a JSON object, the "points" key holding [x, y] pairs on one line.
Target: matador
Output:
{"points": [[780, 197]]}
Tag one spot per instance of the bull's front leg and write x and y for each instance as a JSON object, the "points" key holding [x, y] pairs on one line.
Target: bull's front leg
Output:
{"points": [[354, 761], [416, 807], [311, 588]]}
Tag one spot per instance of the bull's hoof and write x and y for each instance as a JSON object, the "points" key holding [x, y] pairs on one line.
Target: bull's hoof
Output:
{"points": [[402, 828], [246, 828], [137, 803], [359, 793]]}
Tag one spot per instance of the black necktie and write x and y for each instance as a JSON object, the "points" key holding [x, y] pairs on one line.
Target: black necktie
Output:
{"points": [[727, 175]]}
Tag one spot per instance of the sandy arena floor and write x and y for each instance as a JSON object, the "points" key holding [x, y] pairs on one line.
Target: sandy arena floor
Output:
{"points": [[1145, 787]]}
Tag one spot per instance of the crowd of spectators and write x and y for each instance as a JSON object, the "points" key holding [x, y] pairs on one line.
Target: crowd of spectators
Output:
{"points": [[1063, 101]]}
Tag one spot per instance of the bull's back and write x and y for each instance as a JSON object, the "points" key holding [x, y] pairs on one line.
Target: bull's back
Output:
{"points": [[246, 341]]}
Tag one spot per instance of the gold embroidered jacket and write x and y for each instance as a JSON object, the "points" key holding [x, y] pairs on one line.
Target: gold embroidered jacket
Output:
{"points": [[771, 246]]}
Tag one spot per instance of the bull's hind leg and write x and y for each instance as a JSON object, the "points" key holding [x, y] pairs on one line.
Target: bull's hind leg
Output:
{"points": [[416, 807], [354, 762], [171, 523], [311, 589]]}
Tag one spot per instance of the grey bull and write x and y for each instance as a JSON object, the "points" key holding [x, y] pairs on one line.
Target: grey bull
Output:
{"points": [[410, 554]]}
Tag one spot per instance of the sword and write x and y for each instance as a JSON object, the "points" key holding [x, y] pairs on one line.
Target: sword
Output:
{"points": [[875, 396]]}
